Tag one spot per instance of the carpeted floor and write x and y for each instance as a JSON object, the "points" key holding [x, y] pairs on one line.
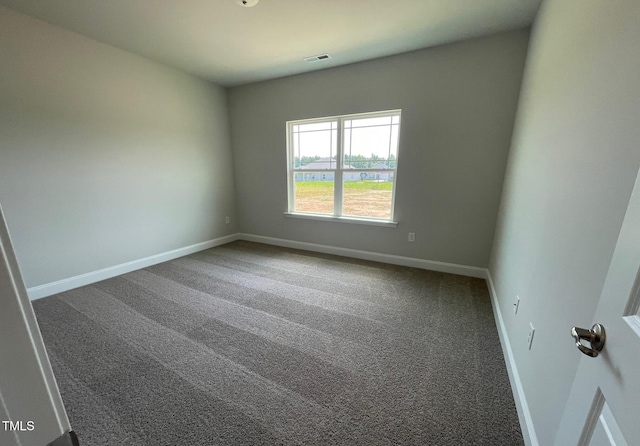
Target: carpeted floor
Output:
{"points": [[248, 344]]}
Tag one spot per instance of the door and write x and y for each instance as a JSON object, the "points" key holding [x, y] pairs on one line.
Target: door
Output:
{"points": [[604, 403], [31, 409]]}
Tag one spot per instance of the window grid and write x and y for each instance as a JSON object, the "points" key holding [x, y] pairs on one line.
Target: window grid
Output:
{"points": [[340, 165]]}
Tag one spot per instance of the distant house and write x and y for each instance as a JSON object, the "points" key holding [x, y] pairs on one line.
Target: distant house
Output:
{"points": [[320, 164], [317, 167], [382, 176], [326, 164]]}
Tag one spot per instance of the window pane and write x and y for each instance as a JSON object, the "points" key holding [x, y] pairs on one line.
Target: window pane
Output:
{"points": [[368, 194], [313, 126], [383, 120], [370, 147], [314, 192], [393, 147], [313, 143]]}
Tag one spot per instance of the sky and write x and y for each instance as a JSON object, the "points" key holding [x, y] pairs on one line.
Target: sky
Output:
{"points": [[319, 139]]}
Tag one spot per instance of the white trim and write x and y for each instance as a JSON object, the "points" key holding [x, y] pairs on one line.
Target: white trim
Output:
{"points": [[60, 286], [593, 417], [452, 268], [340, 168], [338, 177], [634, 323], [524, 415], [361, 221], [25, 334]]}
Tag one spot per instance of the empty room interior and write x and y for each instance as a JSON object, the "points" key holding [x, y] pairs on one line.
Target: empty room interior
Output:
{"points": [[314, 222]]}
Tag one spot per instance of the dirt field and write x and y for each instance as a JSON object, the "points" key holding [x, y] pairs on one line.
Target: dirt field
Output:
{"points": [[361, 198]]}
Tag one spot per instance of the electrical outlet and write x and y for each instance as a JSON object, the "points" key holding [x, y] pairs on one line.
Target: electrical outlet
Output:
{"points": [[412, 236], [516, 305], [532, 331], [227, 220]]}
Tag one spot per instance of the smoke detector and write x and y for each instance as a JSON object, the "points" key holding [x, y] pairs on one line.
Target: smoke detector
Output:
{"points": [[247, 3]]}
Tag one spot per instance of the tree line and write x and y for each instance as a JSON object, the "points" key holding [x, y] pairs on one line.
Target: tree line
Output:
{"points": [[356, 161]]}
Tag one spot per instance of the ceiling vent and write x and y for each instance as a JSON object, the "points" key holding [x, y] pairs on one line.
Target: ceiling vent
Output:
{"points": [[317, 58]]}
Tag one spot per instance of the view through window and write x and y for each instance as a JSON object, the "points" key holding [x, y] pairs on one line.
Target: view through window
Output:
{"points": [[344, 166]]}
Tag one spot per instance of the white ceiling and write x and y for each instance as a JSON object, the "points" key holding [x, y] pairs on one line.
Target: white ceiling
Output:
{"points": [[231, 45]]}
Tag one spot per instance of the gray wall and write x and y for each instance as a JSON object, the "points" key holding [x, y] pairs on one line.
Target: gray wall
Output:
{"points": [[105, 157], [458, 105], [572, 165]]}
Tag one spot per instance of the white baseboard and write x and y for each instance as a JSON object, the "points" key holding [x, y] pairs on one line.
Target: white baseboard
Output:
{"points": [[70, 283], [452, 268], [524, 415]]}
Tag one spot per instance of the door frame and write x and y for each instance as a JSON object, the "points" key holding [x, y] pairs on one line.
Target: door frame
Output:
{"points": [[28, 388]]}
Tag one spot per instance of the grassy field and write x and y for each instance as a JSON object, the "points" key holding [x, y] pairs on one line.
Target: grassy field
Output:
{"points": [[361, 198]]}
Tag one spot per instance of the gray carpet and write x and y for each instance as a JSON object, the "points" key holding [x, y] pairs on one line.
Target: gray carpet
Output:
{"points": [[248, 344]]}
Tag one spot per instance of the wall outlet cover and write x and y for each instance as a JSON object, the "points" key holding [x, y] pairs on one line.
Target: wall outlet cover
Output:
{"points": [[532, 331]]}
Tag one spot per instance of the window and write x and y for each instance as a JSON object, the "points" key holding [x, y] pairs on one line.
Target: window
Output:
{"points": [[344, 166]]}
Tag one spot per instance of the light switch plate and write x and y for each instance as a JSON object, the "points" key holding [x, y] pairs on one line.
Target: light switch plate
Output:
{"points": [[532, 331]]}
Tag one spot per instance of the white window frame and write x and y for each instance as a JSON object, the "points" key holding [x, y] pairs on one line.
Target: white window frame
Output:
{"points": [[338, 171]]}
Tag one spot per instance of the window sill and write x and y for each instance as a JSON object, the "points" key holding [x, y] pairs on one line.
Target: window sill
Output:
{"points": [[360, 221]]}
